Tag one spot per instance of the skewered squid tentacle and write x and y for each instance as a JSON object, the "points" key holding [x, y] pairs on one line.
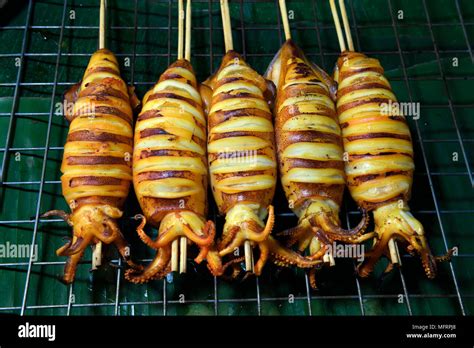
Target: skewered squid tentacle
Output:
{"points": [[244, 224], [71, 266], [59, 213], [214, 261], [172, 227], [170, 171], [330, 224], [380, 167], [250, 229], [391, 221], [228, 237], [205, 243], [157, 269], [284, 257], [268, 246], [175, 225], [96, 167]]}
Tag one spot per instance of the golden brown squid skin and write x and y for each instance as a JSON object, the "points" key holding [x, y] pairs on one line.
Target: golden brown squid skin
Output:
{"points": [[380, 152], [96, 165], [170, 170], [242, 163], [310, 153]]}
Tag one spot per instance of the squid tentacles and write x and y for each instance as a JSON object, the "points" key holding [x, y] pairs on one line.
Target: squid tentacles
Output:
{"points": [[397, 223]]}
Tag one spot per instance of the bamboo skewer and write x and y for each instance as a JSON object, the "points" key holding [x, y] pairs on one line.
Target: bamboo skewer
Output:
{"points": [[229, 46], [284, 17], [187, 49], [186, 37], [97, 255], [226, 26], [180, 29], [347, 28], [103, 6], [394, 252], [174, 255], [97, 250], [179, 247], [337, 24], [248, 256], [175, 250], [392, 245], [183, 254]]}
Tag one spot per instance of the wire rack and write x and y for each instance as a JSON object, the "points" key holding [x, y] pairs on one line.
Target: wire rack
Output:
{"points": [[29, 286]]}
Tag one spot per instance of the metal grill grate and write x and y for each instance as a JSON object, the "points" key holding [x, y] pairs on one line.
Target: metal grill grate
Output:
{"points": [[35, 291]]}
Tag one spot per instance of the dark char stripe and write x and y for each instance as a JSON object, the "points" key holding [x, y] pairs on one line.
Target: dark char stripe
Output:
{"points": [[102, 89], [86, 135], [92, 160], [350, 105], [107, 110], [378, 135], [364, 178], [313, 164], [157, 175], [368, 155], [164, 152], [95, 181], [172, 96], [313, 136]]}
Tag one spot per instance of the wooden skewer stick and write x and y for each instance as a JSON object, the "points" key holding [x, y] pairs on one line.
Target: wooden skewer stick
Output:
{"points": [[248, 256], [284, 17], [97, 250], [174, 255], [103, 6], [394, 252], [392, 245], [187, 49], [183, 255], [179, 246], [249, 267], [229, 45], [97, 256], [337, 24], [180, 29], [347, 28]]}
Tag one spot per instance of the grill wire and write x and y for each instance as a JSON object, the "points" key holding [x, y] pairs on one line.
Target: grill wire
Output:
{"points": [[213, 57]]}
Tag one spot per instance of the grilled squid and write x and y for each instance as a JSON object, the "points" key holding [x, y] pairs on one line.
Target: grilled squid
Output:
{"points": [[380, 153], [96, 165], [310, 153], [242, 163], [170, 170]]}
